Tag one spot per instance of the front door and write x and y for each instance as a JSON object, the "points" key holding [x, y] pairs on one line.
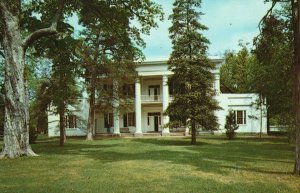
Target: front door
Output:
{"points": [[154, 121]]}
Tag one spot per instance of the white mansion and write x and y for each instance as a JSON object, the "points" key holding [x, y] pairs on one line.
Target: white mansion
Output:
{"points": [[151, 99]]}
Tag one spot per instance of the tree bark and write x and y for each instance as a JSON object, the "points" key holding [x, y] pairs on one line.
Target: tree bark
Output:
{"points": [[62, 136], [296, 27], [268, 122], [16, 126], [91, 124], [193, 125]]}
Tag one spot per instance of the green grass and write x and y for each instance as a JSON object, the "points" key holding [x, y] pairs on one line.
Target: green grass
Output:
{"points": [[246, 164]]}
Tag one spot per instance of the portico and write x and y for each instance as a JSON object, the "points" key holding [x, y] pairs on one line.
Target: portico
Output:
{"points": [[148, 98], [150, 105]]}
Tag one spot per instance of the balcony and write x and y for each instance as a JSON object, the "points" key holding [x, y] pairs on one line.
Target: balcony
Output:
{"points": [[154, 98], [151, 98]]}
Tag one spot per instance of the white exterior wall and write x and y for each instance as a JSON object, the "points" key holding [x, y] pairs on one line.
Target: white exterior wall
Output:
{"points": [[245, 102], [151, 73], [81, 111]]}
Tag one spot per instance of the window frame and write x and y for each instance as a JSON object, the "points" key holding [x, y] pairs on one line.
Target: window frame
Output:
{"points": [[71, 120], [129, 119], [240, 117]]}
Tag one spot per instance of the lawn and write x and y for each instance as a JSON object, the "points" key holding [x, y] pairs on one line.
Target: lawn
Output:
{"points": [[215, 164]]}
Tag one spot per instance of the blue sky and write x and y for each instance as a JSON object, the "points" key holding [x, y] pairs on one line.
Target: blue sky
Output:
{"points": [[228, 21]]}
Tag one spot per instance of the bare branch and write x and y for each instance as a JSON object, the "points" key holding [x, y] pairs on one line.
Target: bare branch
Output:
{"points": [[269, 12], [45, 31]]}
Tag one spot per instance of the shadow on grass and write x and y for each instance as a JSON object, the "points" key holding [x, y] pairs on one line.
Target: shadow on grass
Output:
{"points": [[211, 154]]}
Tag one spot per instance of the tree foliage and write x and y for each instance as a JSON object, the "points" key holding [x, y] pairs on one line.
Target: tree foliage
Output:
{"points": [[275, 59], [235, 74], [193, 103], [255, 71], [110, 45], [230, 125], [22, 23]]}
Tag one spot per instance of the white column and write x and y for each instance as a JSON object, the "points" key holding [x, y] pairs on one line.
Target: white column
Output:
{"points": [[116, 110], [138, 109], [165, 100], [217, 83]]}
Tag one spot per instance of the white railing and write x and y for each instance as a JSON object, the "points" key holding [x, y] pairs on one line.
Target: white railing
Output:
{"points": [[151, 98], [154, 98]]}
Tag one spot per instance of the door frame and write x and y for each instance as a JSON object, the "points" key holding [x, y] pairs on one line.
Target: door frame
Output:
{"points": [[157, 120]]}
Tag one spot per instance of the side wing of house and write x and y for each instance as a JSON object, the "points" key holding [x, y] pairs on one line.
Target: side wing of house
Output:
{"points": [[75, 120], [250, 115]]}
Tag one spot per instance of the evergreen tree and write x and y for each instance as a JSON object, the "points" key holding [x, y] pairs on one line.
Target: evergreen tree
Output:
{"points": [[230, 125], [193, 103]]}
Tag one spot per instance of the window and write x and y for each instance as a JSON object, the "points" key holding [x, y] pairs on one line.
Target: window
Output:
{"points": [[154, 90], [71, 121], [108, 120], [129, 119], [108, 89], [129, 90], [240, 117]]}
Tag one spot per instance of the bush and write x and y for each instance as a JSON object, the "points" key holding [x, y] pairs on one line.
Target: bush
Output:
{"points": [[230, 125]]}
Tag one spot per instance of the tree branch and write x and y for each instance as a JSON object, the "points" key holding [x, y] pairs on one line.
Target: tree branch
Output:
{"points": [[2, 54], [274, 2], [2, 96], [45, 31]]}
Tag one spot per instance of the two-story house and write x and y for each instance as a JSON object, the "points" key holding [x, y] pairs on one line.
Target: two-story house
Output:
{"points": [[152, 96]]}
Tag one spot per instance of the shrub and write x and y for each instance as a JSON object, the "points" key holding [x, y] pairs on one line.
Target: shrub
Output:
{"points": [[230, 125]]}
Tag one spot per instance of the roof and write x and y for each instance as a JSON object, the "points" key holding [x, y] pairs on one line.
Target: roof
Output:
{"points": [[159, 62]]}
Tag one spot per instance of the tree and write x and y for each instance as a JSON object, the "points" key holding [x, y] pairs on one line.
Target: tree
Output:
{"points": [[295, 23], [110, 44], [18, 33], [272, 50], [63, 87], [15, 41], [2, 110], [235, 73], [296, 30], [230, 125], [193, 103]]}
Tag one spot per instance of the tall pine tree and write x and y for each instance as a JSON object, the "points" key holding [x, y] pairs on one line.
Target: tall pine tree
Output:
{"points": [[193, 103]]}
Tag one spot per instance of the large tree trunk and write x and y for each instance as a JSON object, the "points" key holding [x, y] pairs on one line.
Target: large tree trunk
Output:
{"points": [[268, 123], [16, 126], [296, 26], [193, 142], [62, 130], [91, 124]]}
